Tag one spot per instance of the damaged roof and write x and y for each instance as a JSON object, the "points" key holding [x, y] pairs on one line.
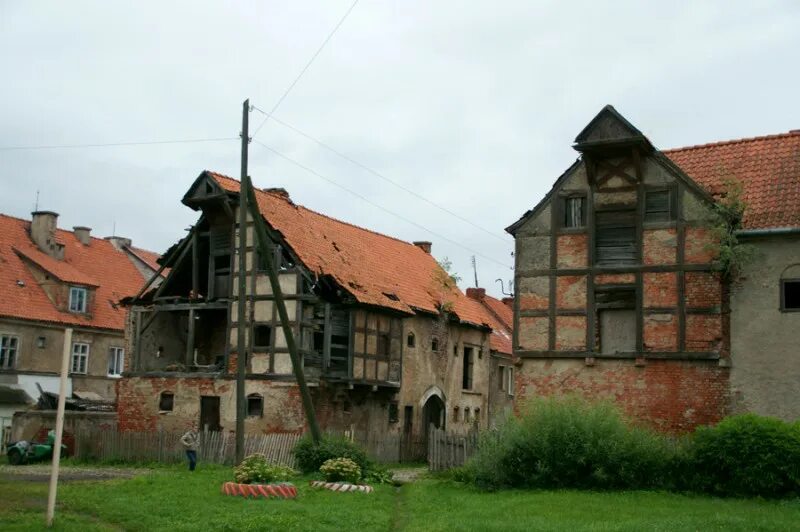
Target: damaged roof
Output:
{"points": [[376, 269], [767, 167], [97, 266], [501, 317]]}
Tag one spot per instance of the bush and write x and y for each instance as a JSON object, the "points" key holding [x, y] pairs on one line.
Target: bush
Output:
{"points": [[310, 457], [745, 455], [569, 443], [256, 469], [378, 474], [341, 470]]}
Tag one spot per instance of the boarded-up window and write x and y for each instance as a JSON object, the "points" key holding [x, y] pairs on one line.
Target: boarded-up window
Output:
{"points": [[575, 212], [616, 237], [658, 206]]}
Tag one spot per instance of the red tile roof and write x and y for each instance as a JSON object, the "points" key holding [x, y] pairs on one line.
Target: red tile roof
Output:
{"points": [[148, 257], [768, 168], [98, 265], [501, 319], [376, 269]]}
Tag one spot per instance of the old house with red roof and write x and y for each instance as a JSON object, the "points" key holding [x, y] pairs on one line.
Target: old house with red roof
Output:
{"points": [[618, 294], [389, 342], [53, 279]]}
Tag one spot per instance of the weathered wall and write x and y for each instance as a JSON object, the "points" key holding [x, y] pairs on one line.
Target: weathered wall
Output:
{"points": [[765, 373], [34, 423], [500, 399]]}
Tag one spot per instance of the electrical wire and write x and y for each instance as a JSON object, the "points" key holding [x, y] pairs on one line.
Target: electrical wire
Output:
{"points": [[305, 68], [109, 144], [381, 176], [367, 200]]}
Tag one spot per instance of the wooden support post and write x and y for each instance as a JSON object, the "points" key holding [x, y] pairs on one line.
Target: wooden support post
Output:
{"points": [[241, 349], [265, 249], [190, 340], [62, 399]]}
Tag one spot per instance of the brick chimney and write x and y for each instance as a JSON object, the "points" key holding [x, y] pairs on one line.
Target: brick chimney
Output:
{"points": [[476, 293], [424, 246], [119, 242], [82, 233], [508, 301], [43, 233]]}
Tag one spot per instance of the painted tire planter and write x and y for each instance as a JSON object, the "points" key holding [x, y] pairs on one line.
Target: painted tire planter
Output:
{"points": [[256, 491], [341, 486]]}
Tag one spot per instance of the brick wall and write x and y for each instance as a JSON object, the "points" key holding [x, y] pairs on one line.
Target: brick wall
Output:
{"points": [[670, 396]]}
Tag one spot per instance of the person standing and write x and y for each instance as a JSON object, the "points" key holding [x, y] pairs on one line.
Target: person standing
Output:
{"points": [[191, 441]]}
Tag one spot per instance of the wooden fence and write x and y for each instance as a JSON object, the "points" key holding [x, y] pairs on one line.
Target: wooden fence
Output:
{"points": [[450, 449], [387, 448], [215, 447]]}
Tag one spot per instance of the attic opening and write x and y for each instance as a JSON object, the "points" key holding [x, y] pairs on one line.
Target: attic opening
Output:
{"points": [[616, 320]]}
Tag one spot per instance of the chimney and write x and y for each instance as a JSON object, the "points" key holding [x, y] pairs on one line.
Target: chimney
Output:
{"points": [[424, 246], [476, 293], [82, 234], [43, 233], [281, 192], [509, 301], [119, 242]]}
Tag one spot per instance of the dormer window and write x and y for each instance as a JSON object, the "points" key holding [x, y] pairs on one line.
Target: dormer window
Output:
{"points": [[77, 299]]}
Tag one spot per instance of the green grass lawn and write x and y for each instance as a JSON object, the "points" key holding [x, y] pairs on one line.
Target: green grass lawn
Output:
{"points": [[174, 499]]}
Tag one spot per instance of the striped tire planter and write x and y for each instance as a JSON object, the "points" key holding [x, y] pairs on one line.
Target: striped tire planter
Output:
{"points": [[267, 491], [340, 486]]}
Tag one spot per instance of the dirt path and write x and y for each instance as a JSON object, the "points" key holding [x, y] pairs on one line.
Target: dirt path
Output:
{"points": [[403, 476], [41, 473]]}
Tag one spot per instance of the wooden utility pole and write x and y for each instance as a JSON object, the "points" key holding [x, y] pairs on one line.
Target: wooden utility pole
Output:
{"points": [[265, 249], [241, 329], [62, 399]]}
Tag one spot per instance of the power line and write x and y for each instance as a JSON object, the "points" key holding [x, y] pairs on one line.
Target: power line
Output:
{"points": [[385, 178], [302, 72], [109, 144], [364, 198]]}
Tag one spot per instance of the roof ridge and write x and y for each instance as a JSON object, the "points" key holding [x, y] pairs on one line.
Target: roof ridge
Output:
{"points": [[312, 211], [792, 133]]}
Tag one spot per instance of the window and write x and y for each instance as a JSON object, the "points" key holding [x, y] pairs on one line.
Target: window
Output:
{"points": [[383, 344], [456, 411], [80, 357], [262, 336], [466, 378], [574, 212], [255, 405], [658, 206], [77, 299], [8, 351], [41, 342], [466, 415], [166, 401], [434, 344], [616, 237], [116, 361], [510, 379], [476, 418], [790, 294], [394, 413], [410, 340]]}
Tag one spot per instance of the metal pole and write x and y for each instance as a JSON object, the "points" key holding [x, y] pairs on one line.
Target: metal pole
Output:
{"points": [[241, 350], [62, 399]]}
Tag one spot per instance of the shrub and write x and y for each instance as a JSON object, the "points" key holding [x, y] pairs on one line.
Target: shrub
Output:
{"points": [[569, 443], [341, 470], [256, 469], [378, 474], [745, 455], [310, 457]]}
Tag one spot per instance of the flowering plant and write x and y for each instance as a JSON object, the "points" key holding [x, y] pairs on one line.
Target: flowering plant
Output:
{"points": [[255, 468], [341, 469]]}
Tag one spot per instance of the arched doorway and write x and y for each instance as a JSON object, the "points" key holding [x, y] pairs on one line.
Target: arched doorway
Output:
{"points": [[433, 413]]}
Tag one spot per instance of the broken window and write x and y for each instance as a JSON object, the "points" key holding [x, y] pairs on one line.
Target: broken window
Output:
{"points": [[8, 351], [466, 377], [410, 340], [394, 413], [262, 336], [77, 299], [116, 361], [80, 357], [790, 294], [658, 205], [255, 405], [166, 401], [574, 211], [617, 320], [616, 237]]}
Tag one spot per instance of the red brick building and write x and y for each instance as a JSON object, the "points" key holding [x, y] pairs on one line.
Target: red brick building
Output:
{"points": [[616, 291]]}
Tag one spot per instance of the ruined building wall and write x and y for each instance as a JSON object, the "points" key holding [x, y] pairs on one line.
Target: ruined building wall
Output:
{"points": [[637, 332]]}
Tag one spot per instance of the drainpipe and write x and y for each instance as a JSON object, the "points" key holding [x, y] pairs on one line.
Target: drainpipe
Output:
{"points": [[772, 231]]}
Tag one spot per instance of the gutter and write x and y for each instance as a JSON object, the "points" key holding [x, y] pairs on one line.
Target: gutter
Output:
{"points": [[772, 231]]}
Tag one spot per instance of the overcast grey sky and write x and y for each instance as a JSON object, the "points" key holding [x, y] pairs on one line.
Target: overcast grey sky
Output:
{"points": [[473, 105]]}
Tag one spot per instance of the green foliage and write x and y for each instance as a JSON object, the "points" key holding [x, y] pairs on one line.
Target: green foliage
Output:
{"points": [[340, 470], [378, 474], [569, 443], [255, 469], [730, 254], [452, 277], [310, 457], [745, 455]]}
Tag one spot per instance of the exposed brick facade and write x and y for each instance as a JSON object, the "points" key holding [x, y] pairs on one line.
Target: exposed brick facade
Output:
{"points": [[660, 290], [572, 251]]}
